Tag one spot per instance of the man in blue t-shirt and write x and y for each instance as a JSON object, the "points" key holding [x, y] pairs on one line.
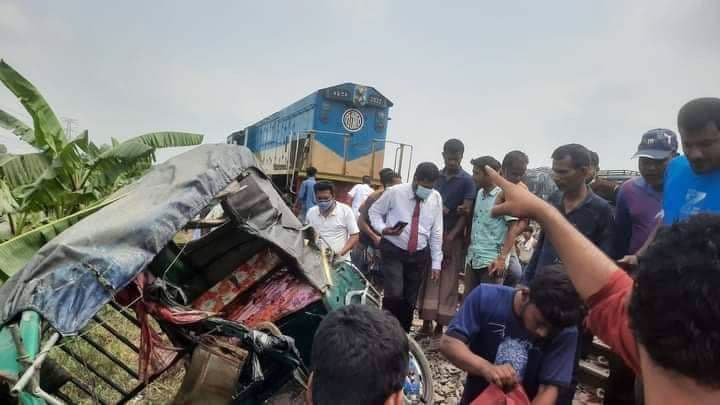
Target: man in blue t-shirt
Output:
{"points": [[692, 182], [506, 336]]}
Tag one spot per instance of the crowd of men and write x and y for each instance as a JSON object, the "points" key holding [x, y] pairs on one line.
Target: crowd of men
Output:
{"points": [[636, 264]]}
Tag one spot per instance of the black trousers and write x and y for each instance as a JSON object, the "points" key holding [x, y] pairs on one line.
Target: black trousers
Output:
{"points": [[403, 273]]}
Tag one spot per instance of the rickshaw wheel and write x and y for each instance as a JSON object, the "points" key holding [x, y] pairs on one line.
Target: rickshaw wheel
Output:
{"points": [[423, 370]]}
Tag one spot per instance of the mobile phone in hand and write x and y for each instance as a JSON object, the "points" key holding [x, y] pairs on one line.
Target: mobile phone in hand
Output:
{"points": [[400, 225]]}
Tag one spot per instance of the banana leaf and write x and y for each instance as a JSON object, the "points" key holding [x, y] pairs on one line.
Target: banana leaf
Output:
{"points": [[129, 159], [168, 139], [59, 183], [94, 151], [82, 141], [17, 127], [126, 150], [16, 252], [19, 170], [71, 163], [8, 204], [48, 131], [64, 156]]}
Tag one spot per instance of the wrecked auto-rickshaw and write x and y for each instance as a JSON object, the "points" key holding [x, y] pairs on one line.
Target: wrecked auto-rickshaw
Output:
{"points": [[203, 268]]}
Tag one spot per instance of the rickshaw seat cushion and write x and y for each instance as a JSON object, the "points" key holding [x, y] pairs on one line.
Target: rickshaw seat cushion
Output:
{"points": [[240, 280]]}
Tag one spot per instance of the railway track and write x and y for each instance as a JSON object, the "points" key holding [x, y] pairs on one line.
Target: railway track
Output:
{"points": [[593, 369]]}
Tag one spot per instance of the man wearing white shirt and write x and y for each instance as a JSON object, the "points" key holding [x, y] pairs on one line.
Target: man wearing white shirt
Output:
{"points": [[359, 193], [410, 219], [334, 222]]}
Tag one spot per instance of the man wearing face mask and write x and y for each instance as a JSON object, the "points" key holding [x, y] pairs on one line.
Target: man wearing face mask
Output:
{"points": [[410, 218], [333, 221]]}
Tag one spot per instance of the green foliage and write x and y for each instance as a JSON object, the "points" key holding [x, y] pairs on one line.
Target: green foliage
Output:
{"points": [[8, 204], [17, 127], [167, 139], [16, 252], [65, 175], [48, 133], [19, 170]]}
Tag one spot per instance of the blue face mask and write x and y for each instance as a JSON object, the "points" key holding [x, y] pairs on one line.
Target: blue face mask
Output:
{"points": [[325, 205], [422, 192]]}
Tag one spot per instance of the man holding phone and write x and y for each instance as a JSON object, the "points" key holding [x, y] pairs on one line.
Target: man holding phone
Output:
{"points": [[400, 225], [410, 218]]}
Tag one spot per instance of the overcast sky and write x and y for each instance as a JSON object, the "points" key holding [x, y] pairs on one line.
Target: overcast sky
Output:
{"points": [[499, 76]]}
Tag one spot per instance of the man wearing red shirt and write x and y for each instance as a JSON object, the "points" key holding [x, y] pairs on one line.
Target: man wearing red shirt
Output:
{"points": [[666, 324]]}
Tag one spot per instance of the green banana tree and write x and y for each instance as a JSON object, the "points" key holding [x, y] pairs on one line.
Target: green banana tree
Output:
{"points": [[65, 175]]}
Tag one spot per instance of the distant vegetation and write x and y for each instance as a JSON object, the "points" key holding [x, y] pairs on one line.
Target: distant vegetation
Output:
{"points": [[38, 191]]}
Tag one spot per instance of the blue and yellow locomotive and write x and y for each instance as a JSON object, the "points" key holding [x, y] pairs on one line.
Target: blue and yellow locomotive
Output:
{"points": [[339, 130]]}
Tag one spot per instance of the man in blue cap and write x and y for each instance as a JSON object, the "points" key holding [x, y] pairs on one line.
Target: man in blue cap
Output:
{"points": [[692, 182], [639, 199], [637, 212]]}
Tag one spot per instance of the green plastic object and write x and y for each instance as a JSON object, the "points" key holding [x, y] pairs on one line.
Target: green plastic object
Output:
{"points": [[344, 280], [31, 335], [10, 367]]}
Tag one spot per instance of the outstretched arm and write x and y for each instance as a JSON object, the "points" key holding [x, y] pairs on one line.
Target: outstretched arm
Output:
{"points": [[587, 266]]}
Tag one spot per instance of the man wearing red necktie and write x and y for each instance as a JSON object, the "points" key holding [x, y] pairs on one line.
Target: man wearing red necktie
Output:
{"points": [[410, 219]]}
